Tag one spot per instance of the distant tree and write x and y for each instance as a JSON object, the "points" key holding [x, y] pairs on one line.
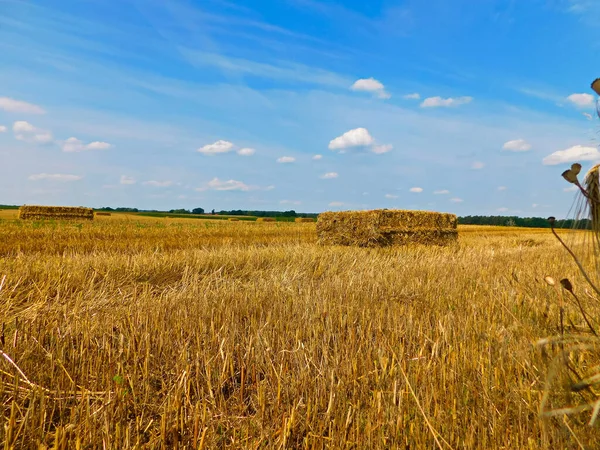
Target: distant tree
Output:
{"points": [[213, 212], [179, 211], [198, 211]]}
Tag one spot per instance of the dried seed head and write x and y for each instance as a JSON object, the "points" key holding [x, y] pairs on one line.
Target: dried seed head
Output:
{"points": [[576, 168], [549, 281], [596, 86], [566, 284], [570, 176]]}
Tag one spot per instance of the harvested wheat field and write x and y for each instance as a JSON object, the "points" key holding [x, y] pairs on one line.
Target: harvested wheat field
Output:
{"points": [[125, 334]]}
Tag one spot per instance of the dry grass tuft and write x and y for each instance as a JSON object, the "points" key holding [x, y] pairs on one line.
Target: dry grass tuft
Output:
{"points": [[379, 228], [266, 219], [31, 212]]}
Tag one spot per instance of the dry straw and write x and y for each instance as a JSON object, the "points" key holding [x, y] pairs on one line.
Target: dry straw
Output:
{"points": [[266, 219], [378, 228], [233, 219], [103, 214], [304, 219], [32, 212]]}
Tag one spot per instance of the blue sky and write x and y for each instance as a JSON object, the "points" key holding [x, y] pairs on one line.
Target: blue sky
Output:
{"points": [[463, 106]]}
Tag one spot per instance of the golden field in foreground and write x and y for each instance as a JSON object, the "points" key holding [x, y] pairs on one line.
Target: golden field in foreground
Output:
{"points": [[132, 332]]}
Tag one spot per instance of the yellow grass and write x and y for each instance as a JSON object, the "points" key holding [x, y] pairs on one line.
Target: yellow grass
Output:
{"points": [[143, 333], [304, 219]]}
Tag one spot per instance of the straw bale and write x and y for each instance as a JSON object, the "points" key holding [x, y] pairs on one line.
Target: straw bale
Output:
{"points": [[33, 212], [266, 219], [304, 219], [233, 219], [101, 213], [378, 228]]}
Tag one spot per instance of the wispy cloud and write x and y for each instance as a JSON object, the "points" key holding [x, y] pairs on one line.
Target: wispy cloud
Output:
{"points": [[73, 144], [216, 148], [54, 177], [246, 151], [229, 185], [371, 85], [390, 196], [517, 145], [155, 183], [456, 200], [572, 154], [414, 96], [336, 204], [416, 190], [286, 159], [127, 180], [3, 129], [17, 106], [441, 192], [317, 157], [437, 102], [24, 131], [329, 175], [477, 165], [582, 100]]}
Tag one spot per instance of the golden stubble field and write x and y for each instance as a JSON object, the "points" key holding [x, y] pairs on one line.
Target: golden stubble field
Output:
{"points": [[164, 333]]}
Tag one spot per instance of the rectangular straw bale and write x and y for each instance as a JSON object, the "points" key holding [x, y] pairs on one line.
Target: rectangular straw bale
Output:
{"points": [[233, 219], [378, 228], [266, 219], [101, 213], [33, 212], [304, 219]]}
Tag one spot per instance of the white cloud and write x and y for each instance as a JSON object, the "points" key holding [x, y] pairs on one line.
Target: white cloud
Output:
{"points": [[534, 205], [390, 196], [435, 102], [572, 154], [246, 151], [370, 85], [286, 159], [75, 145], [127, 180], [2, 129], [290, 202], [26, 132], [581, 100], [503, 209], [416, 190], [54, 177], [588, 116], [571, 189], [358, 137], [518, 145], [329, 175], [154, 183], [317, 157], [18, 106], [230, 185], [441, 192], [379, 149], [501, 188], [216, 147], [414, 96], [336, 204], [456, 200], [477, 165]]}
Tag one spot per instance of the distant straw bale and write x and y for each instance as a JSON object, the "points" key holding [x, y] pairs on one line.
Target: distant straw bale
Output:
{"points": [[304, 219], [102, 213], [379, 228], [233, 219], [266, 219], [31, 212]]}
